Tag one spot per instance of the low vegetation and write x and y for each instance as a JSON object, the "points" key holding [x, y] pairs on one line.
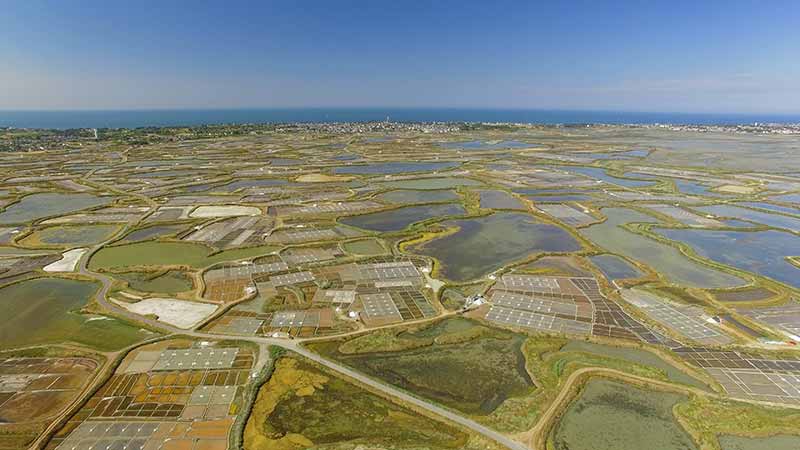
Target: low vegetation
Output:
{"points": [[302, 406]]}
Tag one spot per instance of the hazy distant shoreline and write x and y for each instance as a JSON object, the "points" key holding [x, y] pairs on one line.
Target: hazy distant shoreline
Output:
{"points": [[193, 117]]}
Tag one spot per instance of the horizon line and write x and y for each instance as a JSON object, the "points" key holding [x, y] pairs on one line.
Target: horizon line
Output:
{"points": [[378, 108]]}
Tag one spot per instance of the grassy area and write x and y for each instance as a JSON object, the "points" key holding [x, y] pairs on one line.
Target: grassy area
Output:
{"points": [[455, 362], [485, 372], [635, 356], [707, 418], [166, 282], [302, 406], [364, 247], [382, 341]]}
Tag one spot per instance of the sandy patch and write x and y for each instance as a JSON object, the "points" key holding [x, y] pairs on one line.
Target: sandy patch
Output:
{"points": [[736, 189], [321, 178], [68, 262], [224, 211], [180, 313], [130, 296]]}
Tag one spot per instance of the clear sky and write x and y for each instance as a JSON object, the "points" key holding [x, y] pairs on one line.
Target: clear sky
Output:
{"points": [[673, 56]]}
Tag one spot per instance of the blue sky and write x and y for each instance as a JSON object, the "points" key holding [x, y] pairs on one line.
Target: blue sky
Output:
{"points": [[707, 56]]}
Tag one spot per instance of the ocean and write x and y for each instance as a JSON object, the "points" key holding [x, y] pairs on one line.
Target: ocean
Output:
{"points": [[178, 117]]}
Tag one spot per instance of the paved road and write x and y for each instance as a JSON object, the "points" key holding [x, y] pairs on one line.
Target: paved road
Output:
{"points": [[292, 345], [394, 392]]}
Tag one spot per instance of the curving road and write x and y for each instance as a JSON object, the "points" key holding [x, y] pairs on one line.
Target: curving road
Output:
{"points": [[295, 346]]}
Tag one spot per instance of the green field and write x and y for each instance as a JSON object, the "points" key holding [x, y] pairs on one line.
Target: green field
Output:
{"points": [[364, 247]]}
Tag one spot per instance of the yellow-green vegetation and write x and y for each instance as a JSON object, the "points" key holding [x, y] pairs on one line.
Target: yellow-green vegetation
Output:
{"points": [[303, 406], [165, 281], [382, 341], [707, 418], [638, 356], [465, 198], [455, 362], [321, 178], [488, 373], [681, 295]]}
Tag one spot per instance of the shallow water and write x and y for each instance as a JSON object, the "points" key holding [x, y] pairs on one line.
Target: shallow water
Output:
{"points": [[614, 267], [389, 168], [559, 198], [418, 196], [77, 235], [610, 415], [762, 252], [37, 206], [631, 154], [153, 231], [170, 282], [364, 247], [735, 212], [500, 200], [482, 145], [771, 207], [244, 184], [285, 161], [157, 253], [665, 259], [601, 174], [398, 219], [637, 356], [787, 198], [695, 188], [485, 244], [429, 183]]}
